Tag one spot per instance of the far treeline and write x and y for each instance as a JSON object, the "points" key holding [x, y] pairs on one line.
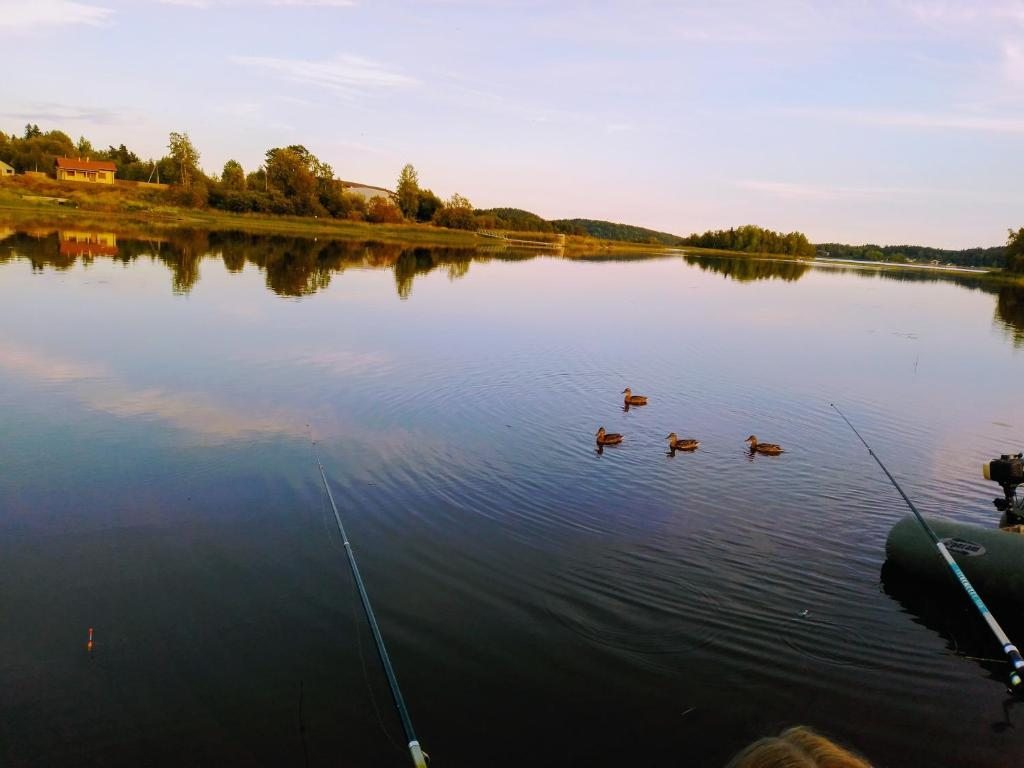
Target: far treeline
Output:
{"points": [[293, 181], [907, 254]]}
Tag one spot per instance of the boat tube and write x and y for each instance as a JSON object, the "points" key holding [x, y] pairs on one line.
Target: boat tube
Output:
{"points": [[992, 558]]}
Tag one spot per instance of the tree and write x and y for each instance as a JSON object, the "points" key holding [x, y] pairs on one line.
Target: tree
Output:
{"points": [[32, 131], [407, 193], [186, 158], [1015, 251], [429, 204], [233, 177], [288, 171], [121, 155], [84, 147], [457, 213], [380, 210], [257, 180]]}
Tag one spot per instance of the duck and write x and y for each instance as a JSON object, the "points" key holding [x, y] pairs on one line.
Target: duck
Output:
{"points": [[681, 443], [608, 438], [771, 449], [632, 399]]}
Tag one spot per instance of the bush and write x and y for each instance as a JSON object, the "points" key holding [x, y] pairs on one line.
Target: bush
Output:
{"points": [[381, 210], [456, 214]]}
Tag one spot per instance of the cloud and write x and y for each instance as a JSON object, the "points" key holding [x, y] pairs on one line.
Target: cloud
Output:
{"points": [[926, 120], [313, 3], [19, 15], [58, 113], [345, 73], [1013, 61], [97, 388], [38, 365], [953, 15], [204, 4], [788, 190]]}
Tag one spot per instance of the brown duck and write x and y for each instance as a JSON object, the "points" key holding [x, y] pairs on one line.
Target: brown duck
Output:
{"points": [[632, 399], [608, 438], [770, 449], [681, 443]]}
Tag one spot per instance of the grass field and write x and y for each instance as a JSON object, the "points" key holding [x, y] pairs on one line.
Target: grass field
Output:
{"points": [[33, 202]]}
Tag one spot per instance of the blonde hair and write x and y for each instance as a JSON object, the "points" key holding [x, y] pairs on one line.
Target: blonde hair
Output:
{"points": [[797, 747]]}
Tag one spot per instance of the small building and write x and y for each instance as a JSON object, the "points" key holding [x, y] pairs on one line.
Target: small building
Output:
{"points": [[88, 171], [80, 243], [366, 191], [6, 171]]}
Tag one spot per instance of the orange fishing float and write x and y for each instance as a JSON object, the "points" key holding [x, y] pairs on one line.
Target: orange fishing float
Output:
{"points": [[88, 645]]}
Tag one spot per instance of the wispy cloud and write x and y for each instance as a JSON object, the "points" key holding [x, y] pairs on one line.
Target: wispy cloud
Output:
{"points": [[822, 191], [57, 113], [203, 4], [38, 365], [955, 14], [925, 120], [20, 16], [314, 3], [345, 73], [98, 388], [1013, 61]]}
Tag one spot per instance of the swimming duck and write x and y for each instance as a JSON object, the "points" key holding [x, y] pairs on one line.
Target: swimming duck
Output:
{"points": [[632, 399], [681, 444], [608, 438], [771, 449]]}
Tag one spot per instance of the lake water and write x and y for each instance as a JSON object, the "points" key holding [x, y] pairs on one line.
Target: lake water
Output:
{"points": [[543, 604]]}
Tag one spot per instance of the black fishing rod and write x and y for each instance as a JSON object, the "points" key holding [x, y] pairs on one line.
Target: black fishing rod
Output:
{"points": [[1008, 648], [415, 751]]}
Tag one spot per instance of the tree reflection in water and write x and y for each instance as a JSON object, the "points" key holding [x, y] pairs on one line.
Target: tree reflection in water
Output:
{"points": [[301, 266]]}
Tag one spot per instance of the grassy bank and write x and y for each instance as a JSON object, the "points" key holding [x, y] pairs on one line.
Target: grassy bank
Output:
{"points": [[136, 211]]}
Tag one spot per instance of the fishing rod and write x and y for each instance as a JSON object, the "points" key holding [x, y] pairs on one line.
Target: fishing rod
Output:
{"points": [[415, 751], [1008, 648]]}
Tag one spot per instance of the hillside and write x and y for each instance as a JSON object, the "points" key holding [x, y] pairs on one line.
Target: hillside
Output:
{"points": [[608, 230]]}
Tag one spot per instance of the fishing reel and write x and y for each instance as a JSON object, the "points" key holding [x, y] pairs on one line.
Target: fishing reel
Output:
{"points": [[1008, 471]]}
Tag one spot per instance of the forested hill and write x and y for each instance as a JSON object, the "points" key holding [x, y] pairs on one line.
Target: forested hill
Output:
{"points": [[968, 257], [518, 220], [611, 231]]}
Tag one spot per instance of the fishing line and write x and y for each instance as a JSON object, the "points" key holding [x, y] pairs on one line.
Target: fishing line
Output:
{"points": [[415, 751], [1009, 648]]}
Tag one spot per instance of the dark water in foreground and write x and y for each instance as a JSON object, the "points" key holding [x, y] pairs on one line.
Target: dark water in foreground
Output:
{"points": [[543, 605]]}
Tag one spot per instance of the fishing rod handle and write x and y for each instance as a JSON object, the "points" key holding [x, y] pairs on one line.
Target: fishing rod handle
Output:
{"points": [[418, 758]]}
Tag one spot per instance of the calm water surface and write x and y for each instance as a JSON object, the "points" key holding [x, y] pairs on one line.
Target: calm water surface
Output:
{"points": [[543, 604]]}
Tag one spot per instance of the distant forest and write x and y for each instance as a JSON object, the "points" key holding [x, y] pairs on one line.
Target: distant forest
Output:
{"points": [[903, 254], [751, 239], [519, 220]]}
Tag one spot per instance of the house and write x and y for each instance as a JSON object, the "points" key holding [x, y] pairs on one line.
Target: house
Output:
{"points": [[366, 191], [90, 171], [5, 170], [79, 243]]}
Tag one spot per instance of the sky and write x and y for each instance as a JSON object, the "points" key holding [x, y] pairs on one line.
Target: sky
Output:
{"points": [[883, 121]]}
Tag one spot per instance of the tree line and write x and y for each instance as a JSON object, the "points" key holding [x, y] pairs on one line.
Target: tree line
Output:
{"points": [[753, 239], [903, 254]]}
